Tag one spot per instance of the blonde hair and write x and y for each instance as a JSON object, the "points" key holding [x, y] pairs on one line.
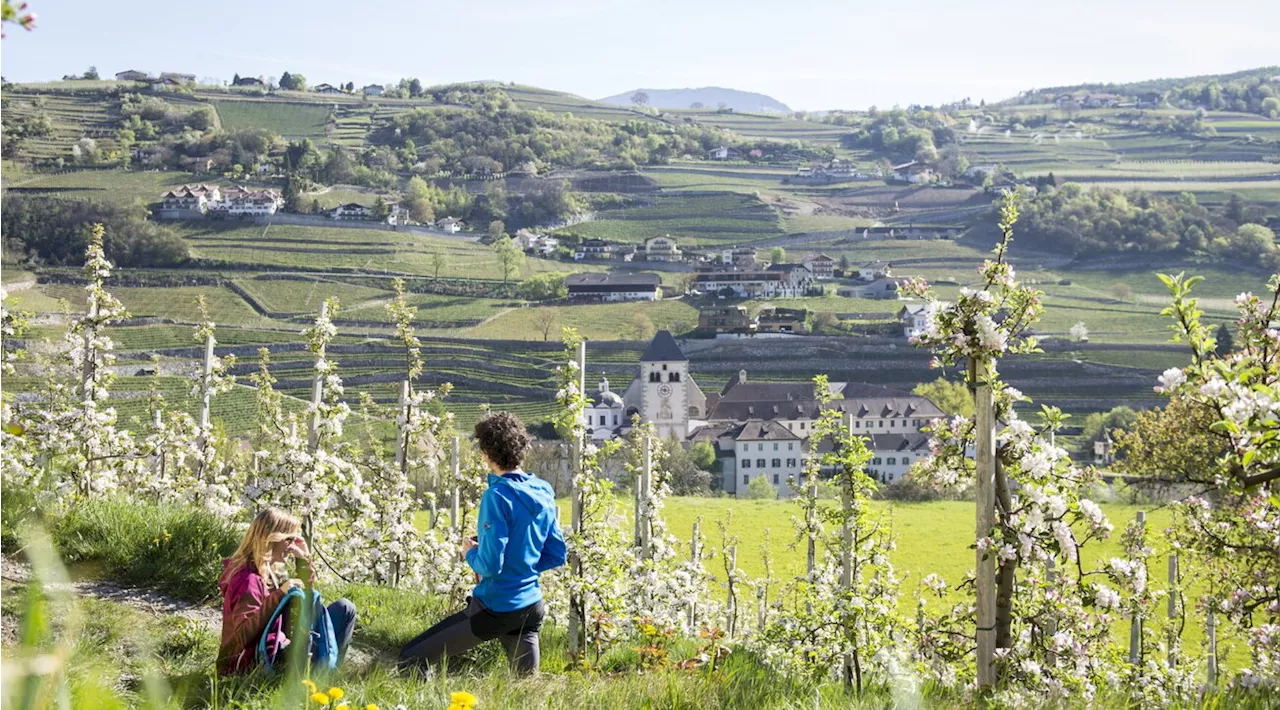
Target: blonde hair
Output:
{"points": [[269, 526]]}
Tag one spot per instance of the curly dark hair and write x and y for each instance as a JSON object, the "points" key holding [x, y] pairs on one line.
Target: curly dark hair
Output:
{"points": [[502, 436]]}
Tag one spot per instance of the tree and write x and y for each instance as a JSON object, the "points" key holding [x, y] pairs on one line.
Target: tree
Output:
{"points": [[683, 474], [351, 86], [546, 320], [293, 82], [844, 264], [640, 98], [1225, 340], [439, 259], [641, 327], [417, 198], [1079, 332], [497, 228], [951, 397], [292, 193], [415, 87], [510, 258], [703, 454], [777, 255], [543, 287], [380, 210], [1252, 242], [1121, 292], [1116, 420], [761, 489], [92, 74]]}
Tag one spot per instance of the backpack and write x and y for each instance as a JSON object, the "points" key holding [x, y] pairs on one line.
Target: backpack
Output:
{"points": [[324, 643]]}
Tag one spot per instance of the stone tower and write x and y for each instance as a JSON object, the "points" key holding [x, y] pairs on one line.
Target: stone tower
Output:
{"points": [[664, 387]]}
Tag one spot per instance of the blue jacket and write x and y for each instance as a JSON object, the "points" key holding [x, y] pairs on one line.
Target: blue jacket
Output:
{"points": [[519, 539]]}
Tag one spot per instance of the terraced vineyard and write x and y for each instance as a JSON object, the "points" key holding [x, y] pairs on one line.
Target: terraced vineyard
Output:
{"points": [[75, 113], [694, 218], [289, 120]]}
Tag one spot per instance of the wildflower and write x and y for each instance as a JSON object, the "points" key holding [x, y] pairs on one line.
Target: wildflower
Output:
{"points": [[311, 687], [319, 698], [371, 706], [343, 706], [336, 693], [462, 700]]}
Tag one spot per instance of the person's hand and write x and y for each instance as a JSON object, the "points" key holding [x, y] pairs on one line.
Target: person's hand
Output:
{"points": [[298, 548], [468, 544], [291, 583]]}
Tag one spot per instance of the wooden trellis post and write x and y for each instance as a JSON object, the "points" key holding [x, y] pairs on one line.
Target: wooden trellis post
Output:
{"points": [[731, 608], [402, 437], [158, 460], [317, 390], [1135, 623], [985, 473], [88, 373], [695, 556], [846, 553], [206, 386], [455, 504], [644, 509], [1173, 608], [1211, 634], [1051, 624], [577, 604]]}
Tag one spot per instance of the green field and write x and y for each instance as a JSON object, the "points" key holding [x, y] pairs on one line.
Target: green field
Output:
{"points": [[606, 321], [177, 303], [291, 120], [118, 186], [694, 219], [305, 295]]}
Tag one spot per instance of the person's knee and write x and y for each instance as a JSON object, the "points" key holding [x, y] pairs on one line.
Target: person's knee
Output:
{"points": [[345, 607]]}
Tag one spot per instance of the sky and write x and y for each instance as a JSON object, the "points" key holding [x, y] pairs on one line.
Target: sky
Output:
{"points": [[809, 54]]}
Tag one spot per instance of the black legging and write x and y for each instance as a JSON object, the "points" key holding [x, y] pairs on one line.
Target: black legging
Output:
{"points": [[460, 632]]}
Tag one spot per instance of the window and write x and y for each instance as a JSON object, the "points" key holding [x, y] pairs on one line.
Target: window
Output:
{"points": [[775, 446], [655, 376], [745, 479], [857, 425], [602, 420], [664, 368], [759, 447], [791, 463], [673, 377], [906, 460], [915, 422], [759, 463], [746, 463], [775, 479], [615, 420], [893, 461], [875, 462], [791, 446], [777, 463], [801, 426], [881, 423]]}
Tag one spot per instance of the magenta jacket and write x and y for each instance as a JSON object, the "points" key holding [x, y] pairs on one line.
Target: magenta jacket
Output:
{"points": [[246, 606]]}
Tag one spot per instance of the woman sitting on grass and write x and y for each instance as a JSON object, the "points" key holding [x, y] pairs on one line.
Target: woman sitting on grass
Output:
{"points": [[519, 538], [252, 587]]}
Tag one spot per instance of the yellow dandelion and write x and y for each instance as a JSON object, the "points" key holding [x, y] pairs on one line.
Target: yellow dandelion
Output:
{"points": [[311, 687], [320, 698], [336, 693], [463, 698], [343, 706], [371, 706]]}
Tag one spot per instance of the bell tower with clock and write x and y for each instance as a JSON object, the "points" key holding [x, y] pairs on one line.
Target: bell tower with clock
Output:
{"points": [[664, 387]]}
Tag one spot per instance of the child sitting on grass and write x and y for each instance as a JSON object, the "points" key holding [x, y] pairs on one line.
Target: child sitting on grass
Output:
{"points": [[252, 589]]}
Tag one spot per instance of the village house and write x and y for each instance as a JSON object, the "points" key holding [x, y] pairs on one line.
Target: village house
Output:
{"points": [[327, 89], [721, 153], [772, 320], [913, 173], [594, 249], [725, 320], [738, 256], [197, 164], [188, 202], [452, 225], [173, 77], [879, 289], [662, 248], [240, 203], [539, 244], [1101, 101], [350, 211], [822, 266], [373, 90], [609, 287], [604, 414], [775, 281], [132, 75], [871, 271], [914, 318]]}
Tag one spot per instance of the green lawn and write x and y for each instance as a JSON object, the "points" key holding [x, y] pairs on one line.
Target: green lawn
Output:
{"points": [[125, 187], [606, 321], [305, 296], [177, 303]]}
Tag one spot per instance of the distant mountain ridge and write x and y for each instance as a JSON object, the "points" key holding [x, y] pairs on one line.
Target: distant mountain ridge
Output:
{"points": [[1164, 84], [709, 96]]}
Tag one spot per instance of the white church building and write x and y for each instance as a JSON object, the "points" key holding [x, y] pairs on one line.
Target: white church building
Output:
{"points": [[758, 428]]}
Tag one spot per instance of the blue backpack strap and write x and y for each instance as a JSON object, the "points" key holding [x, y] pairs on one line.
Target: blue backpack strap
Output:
{"points": [[264, 658], [324, 642]]}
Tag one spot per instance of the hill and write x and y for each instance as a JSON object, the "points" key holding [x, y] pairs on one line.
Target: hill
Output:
{"points": [[1264, 73], [708, 96]]}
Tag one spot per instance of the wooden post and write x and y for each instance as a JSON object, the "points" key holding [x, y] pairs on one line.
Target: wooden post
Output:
{"points": [[87, 395], [1211, 633], [1135, 623], [811, 523], [695, 556], [455, 503], [402, 437], [577, 604], [985, 473], [1051, 624], [317, 391], [206, 398], [846, 554], [157, 460], [761, 603], [731, 608], [1173, 608], [645, 504]]}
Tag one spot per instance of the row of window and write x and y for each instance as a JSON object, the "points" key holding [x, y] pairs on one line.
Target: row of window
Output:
{"points": [[775, 463], [746, 479], [657, 376], [917, 423], [892, 461], [791, 446]]}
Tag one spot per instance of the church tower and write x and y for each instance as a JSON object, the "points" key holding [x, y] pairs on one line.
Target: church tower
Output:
{"points": [[664, 387]]}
